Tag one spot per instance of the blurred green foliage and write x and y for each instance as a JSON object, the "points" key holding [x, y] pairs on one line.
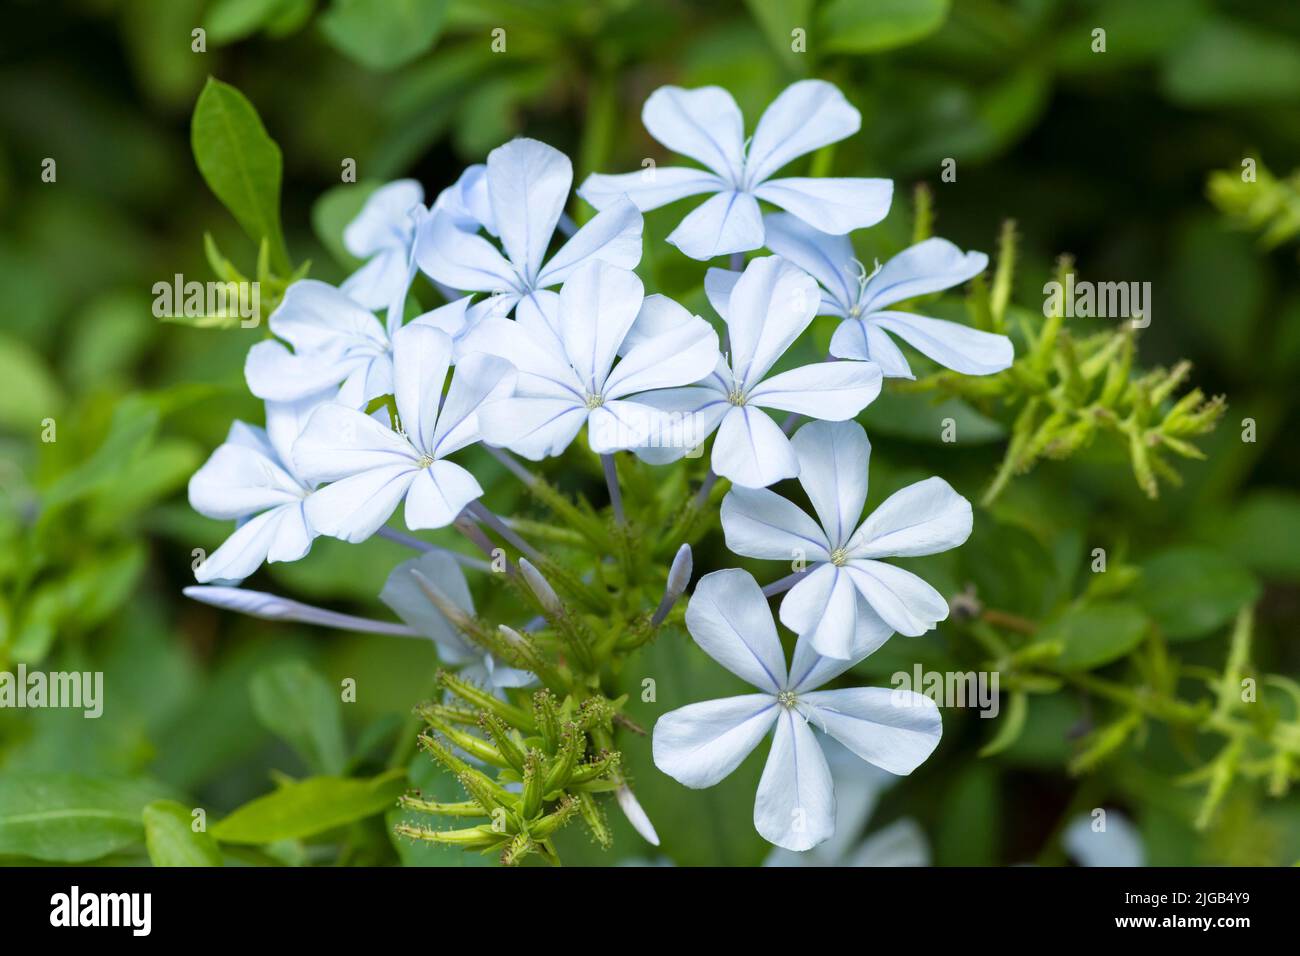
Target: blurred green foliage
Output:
{"points": [[1120, 687]]}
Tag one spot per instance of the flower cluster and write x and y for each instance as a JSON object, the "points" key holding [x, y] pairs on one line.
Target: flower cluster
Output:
{"points": [[540, 338]]}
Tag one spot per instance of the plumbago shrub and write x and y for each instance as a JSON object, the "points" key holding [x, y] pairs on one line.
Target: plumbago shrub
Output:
{"points": [[554, 436]]}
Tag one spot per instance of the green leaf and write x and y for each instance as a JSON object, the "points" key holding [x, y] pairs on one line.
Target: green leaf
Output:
{"points": [[307, 807], [1192, 591], [870, 26], [240, 163], [70, 817], [30, 393], [1262, 533], [230, 20], [1010, 726], [383, 34], [779, 19], [1094, 634], [1224, 63], [171, 840], [294, 702]]}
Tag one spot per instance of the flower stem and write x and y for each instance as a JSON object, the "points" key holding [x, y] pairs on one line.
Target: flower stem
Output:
{"points": [[784, 584], [416, 544], [615, 493], [481, 512]]}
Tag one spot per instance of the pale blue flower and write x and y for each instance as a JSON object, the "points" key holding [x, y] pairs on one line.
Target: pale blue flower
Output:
{"points": [[862, 298], [765, 311], [858, 787], [527, 185], [337, 343], [372, 468], [251, 479], [700, 744], [849, 601], [568, 376], [1116, 843], [403, 593], [706, 125]]}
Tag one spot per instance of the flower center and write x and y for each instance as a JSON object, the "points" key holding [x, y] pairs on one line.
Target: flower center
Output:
{"points": [[786, 699], [425, 461], [736, 397], [839, 557], [595, 401]]}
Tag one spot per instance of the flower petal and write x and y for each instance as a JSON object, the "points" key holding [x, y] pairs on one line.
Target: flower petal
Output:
{"points": [[700, 744], [679, 356], [906, 602], [463, 261], [833, 462], [688, 416], [613, 235], [649, 188], [315, 316], [810, 670], [926, 267], [828, 259], [951, 344], [902, 843], [237, 481], [452, 319], [831, 391], [542, 367], [478, 380], [533, 427], [378, 282], [421, 358], [718, 284], [466, 201], [759, 523], [402, 593], [354, 508], [598, 305], [248, 546], [379, 224], [828, 613], [658, 314], [926, 517], [729, 618], [806, 116], [834, 205], [528, 184], [771, 304], [704, 124], [340, 441], [438, 494], [751, 450], [894, 729], [636, 815], [725, 223], [795, 806]]}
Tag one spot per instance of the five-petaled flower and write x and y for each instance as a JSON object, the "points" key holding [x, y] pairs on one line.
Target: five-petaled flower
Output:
{"points": [[706, 125], [251, 479], [336, 342], [768, 308], [850, 601], [372, 467], [567, 374], [404, 592], [527, 185], [700, 744], [863, 299]]}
